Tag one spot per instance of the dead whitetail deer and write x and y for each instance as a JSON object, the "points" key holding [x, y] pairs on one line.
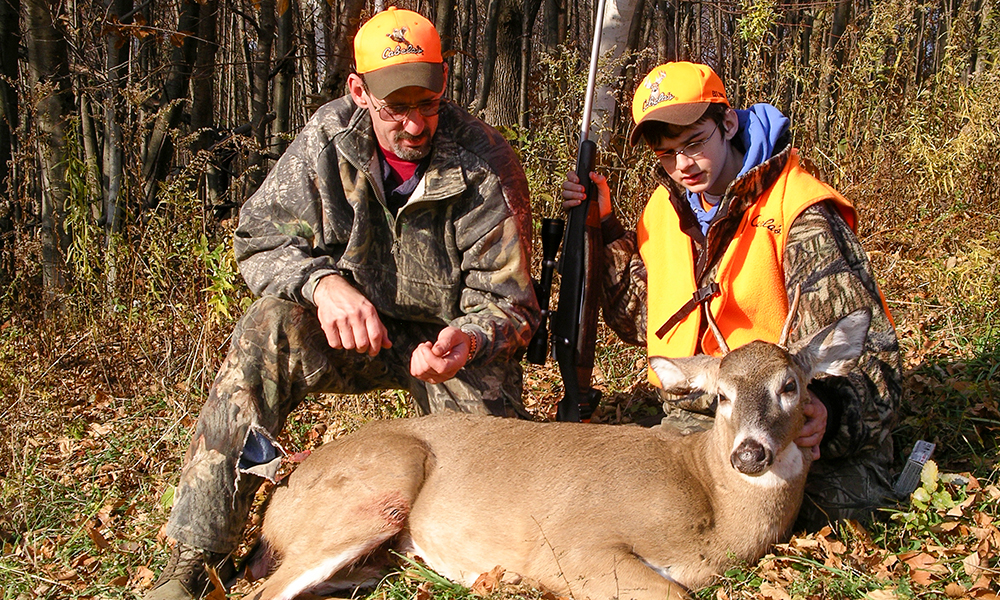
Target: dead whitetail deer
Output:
{"points": [[588, 511]]}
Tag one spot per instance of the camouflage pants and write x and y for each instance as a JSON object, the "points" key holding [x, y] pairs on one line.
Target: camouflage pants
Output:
{"points": [[836, 489], [278, 356]]}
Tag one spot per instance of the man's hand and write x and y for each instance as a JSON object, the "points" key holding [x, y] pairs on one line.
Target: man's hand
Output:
{"points": [[573, 192], [439, 361], [349, 320], [815, 426]]}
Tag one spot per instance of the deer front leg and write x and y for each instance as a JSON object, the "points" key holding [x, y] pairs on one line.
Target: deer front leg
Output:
{"points": [[629, 578]]}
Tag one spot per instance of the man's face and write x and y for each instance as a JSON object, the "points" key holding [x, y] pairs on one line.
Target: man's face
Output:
{"points": [[409, 137], [701, 159]]}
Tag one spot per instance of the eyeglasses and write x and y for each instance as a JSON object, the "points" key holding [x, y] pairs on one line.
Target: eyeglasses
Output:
{"points": [[692, 150], [401, 112]]}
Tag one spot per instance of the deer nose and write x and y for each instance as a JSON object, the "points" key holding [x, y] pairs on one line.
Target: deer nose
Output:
{"points": [[751, 457]]}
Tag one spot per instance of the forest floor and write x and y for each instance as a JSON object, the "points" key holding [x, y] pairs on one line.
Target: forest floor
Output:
{"points": [[98, 406]]}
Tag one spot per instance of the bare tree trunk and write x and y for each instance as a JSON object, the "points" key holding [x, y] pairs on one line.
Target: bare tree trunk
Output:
{"points": [[203, 119], [91, 155], [666, 42], [203, 77], [10, 38], [48, 60], [116, 61], [473, 54], [502, 102], [530, 13], [490, 34], [984, 22], [340, 49], [458, 71], [618, 21], [832, 61], [308, 27], [553, 21], [284, 77], [160, 148], [444, 22], [260, 98]]}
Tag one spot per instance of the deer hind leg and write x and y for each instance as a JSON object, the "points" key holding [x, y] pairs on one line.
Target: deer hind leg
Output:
{"points": [[341, 509], [629, 578]]}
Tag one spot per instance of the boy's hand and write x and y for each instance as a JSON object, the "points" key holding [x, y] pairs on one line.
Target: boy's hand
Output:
{"points": [[815, 426], [573, 192], [349, 320]]}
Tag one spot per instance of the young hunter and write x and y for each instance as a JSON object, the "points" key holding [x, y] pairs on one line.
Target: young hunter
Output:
{"points": [[390, 248], [736, 223]]}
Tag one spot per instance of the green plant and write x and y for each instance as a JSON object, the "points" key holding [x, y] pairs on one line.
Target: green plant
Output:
{"points": [[222, 273]]}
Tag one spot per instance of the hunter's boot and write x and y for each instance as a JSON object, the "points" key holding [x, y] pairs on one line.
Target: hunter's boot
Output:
{"points": [[185, 577]]}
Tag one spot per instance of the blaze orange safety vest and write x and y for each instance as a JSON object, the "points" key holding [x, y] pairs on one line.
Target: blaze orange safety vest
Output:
{"points": [[753, 302]]}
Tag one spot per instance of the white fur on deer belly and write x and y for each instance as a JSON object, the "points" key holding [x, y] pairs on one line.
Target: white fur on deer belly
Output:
{"points": [[320, 573], [443, 568], [788, 465], [663, 572]]}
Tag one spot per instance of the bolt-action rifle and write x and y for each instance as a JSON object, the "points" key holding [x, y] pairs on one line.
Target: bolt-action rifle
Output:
{"points": [[574, 323]]}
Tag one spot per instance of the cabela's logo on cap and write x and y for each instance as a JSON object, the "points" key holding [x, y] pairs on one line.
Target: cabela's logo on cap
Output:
{"points": [[403, 45], [655, 95]]}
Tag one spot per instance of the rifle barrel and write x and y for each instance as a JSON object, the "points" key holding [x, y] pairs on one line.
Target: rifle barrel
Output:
{"points": [[595, 54]]}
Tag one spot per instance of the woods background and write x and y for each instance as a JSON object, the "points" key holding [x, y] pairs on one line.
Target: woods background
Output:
{"points": [[132, 131], [115, 114]]}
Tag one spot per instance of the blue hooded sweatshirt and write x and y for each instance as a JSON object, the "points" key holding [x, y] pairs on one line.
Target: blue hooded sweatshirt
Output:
{"points": [[760, 127]]}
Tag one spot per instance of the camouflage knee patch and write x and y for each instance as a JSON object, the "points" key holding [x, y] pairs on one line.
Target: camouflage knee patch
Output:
{"points": [[851, 488]]}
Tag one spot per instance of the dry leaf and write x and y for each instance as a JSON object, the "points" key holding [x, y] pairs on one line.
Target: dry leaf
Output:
{"points": [[924, 568], [985, 581], [773, 592], [218, 590], [953, 590], [67, 575], [948, 526], [144, 576], [971, 564], [98, 539], [488, 582], [882, 595]]}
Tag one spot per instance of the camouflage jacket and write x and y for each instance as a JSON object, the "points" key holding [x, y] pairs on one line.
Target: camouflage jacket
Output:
{"points": [[457, 253], [824, 255]]}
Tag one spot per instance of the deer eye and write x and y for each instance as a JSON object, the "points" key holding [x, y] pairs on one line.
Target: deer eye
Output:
{"points": [[722, 398], [790, 387]]}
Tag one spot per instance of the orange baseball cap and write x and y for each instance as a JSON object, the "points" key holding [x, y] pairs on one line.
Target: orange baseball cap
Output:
{"points": [[398, 48], [676, 93]]}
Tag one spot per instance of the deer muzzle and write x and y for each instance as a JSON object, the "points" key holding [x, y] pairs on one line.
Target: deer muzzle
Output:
{"points": [[751, 457]]}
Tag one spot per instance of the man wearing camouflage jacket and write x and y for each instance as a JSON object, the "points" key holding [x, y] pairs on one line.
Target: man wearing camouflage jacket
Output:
{"points": [[736, 224], [390, 246]]}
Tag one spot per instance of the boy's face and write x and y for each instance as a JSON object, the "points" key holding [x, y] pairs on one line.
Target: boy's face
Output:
{"points": [[702, 159]]}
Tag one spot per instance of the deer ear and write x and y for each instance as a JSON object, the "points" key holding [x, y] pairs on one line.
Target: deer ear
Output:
{"points": [[683, 375], [834, 349]]}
